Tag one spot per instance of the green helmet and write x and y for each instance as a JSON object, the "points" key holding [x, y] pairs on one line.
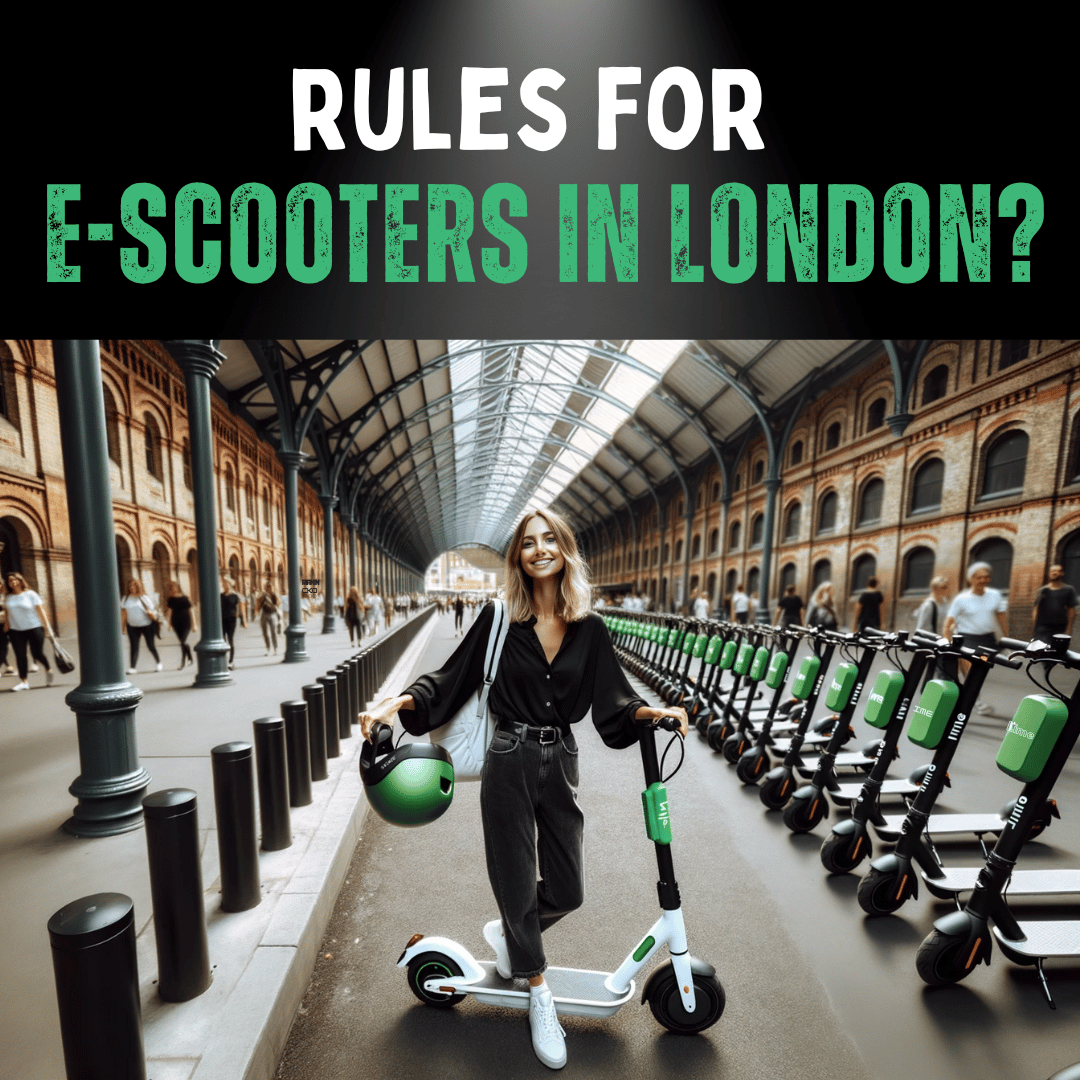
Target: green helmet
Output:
{"points": [[409, 785]]}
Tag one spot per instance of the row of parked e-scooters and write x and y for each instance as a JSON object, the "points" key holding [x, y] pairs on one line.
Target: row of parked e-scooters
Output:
{"points": [[746, 695]]}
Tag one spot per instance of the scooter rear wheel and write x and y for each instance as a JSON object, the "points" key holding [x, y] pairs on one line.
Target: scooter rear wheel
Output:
{"points": [[709, 1001], [940, 959], [430, 966]]}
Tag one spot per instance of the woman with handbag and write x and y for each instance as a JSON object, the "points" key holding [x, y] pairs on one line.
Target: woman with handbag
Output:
{"points": [[231, 603], [354, 615], [268, 605], [139, 620], [557, 663], [180, 620], [822, 610], [27, 625]]}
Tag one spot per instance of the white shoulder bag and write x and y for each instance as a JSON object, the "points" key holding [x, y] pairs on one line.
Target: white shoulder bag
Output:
{"points": [[467, 736]]}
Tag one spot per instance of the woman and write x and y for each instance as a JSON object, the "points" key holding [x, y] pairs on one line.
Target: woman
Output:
{"points": [[354, 615], [5, 667], [139, 621], [822, 609], [27, 624], [268, 605], [180, 620], [557, 664], [231, 602]]}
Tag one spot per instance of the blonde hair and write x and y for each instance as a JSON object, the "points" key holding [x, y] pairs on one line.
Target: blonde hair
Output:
{"points": [[574, 588], [134, 581], [822, 593]]}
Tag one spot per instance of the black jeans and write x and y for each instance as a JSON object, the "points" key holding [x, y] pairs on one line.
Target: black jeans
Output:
{"points": [[147, 633], [528, 801], [33, 637], [228, 628]]}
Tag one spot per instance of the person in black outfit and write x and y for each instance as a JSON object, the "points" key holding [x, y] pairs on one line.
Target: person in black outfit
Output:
{"points": [[789, 611], [459, 614], [1055, 606], [557, 664], [231, 603], [180, 620], [868, 607]]}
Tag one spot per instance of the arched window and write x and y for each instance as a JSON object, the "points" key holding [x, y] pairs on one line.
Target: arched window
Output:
{"points": [[678, 550], [695, 549], [875, 415], [160, 554], [832, 436], [738, 481], [759, 471], [793, 521], [716, 491], [827, 513], [757, 530], [753, 582], [730, 581], [249, 501], [655, 555], [1070, 559], [822, 572], [266, 506], [796, 452], [230, 488], [235, 579], [787, 576], [926, 486], [710, 590], [862, 570], [152, 438], [112, 426], [667, 551], [935, 385], [736, 536], [714, 541], [870, 502], [1012, 352], [185, 459], [918, 570], [999, 554], [1005, 462]]}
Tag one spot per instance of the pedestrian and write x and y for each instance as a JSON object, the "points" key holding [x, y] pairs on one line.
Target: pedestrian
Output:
{"points": [[977, 613], [822, 609], [354, 614], [180, 619], [232, 604], [268, 605], [459, 614], [789, 611], [1055, 606], [557, 664], [140, 621], [5, 667], [868, 606], [701, 606], [740, 604], [27, 624], [930, 617]]}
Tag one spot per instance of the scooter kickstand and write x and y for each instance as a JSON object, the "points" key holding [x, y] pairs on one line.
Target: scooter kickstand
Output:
{"points": [[1045, 985]]}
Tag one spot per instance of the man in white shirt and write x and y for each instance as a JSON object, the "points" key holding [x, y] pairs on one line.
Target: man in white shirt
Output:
{"points": [[978, 613], [701, 606], [740, 604]]}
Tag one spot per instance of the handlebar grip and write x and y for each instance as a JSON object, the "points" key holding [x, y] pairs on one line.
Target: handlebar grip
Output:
{"points": [[1006, 661], [1012, 643], [873, 631], [668, 723]]}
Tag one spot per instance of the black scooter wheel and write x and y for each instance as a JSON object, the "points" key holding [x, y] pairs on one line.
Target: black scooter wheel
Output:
{"points": [[802, 815], [752, 767], [775, 793], [734, 745], [702, 722], [666, 1004], [841, 854], [940, 960], [430, 966], [880, 893], [715, 736]]}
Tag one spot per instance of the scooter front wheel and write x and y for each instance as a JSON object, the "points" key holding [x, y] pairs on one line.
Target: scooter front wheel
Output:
{"points": [[940, 959], [775, 793], [734, 745], [752, 766], [432, 965], [841, 854], [802, 815], [880, 893], [666, 1004]]}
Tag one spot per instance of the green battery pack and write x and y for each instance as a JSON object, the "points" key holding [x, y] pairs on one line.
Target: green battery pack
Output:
{"points": [[760, 664], [777, 670], [931, 716], [744, 658], [727, 657], [806, 677], [843, 682], [1031, 736], [688, 644], [654, 802], [700, 644], [884, 695], [712, 652]]}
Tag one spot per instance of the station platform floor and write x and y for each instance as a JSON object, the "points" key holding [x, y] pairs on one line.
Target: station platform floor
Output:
{"points": [[305, 984]]}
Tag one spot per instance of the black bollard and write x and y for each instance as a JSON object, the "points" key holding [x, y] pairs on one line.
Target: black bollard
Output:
{"points": [[317, 733], [354, 688], [234, 801], [315, 698], [270, 761], [330, 687], [172, 844], [344, 719], [97, 988], [298, 750]]}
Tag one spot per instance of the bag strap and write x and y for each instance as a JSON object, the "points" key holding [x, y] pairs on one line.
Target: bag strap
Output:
{"points": [[500, 627], [145, 608]]}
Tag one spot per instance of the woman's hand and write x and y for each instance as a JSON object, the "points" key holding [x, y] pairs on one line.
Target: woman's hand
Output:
{"points": [[383, 713], [649, 713]]}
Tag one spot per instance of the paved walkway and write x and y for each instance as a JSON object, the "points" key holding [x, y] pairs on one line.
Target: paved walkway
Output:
{"points": [[254, 954]]}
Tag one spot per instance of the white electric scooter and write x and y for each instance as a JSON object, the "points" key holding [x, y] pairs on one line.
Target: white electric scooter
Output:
{"points": [[683, 992]]}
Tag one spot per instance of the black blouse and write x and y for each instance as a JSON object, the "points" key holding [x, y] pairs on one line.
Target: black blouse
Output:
{"points": [[527, 689]]}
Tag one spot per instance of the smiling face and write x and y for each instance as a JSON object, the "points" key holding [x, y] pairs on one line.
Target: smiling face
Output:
{"points": [[979, 581], [14, 584], [540, 555]]}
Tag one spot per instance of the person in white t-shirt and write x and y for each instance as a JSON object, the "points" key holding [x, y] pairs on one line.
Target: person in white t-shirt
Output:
{"points": [[701, 606], [27, 625], [978, 613], [139, 621], [740, 604]]}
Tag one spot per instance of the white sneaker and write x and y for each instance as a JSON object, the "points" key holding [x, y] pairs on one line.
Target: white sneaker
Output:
{"points": [[33, 668], [984, 709], [8, 670], [20, 686], [49, 676], [548, 1037], [130, 671], [158, 668], [494, 936]]}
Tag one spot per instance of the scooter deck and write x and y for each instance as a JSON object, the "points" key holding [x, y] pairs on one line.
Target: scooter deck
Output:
{"points": [[942, 825], [851, 760], [850, 792], [958, 879], [1059, 938], [575, 992]]}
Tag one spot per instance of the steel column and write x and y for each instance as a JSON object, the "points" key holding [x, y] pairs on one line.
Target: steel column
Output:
{"points": [[772, 486], [295, 634], [328, 504]]}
